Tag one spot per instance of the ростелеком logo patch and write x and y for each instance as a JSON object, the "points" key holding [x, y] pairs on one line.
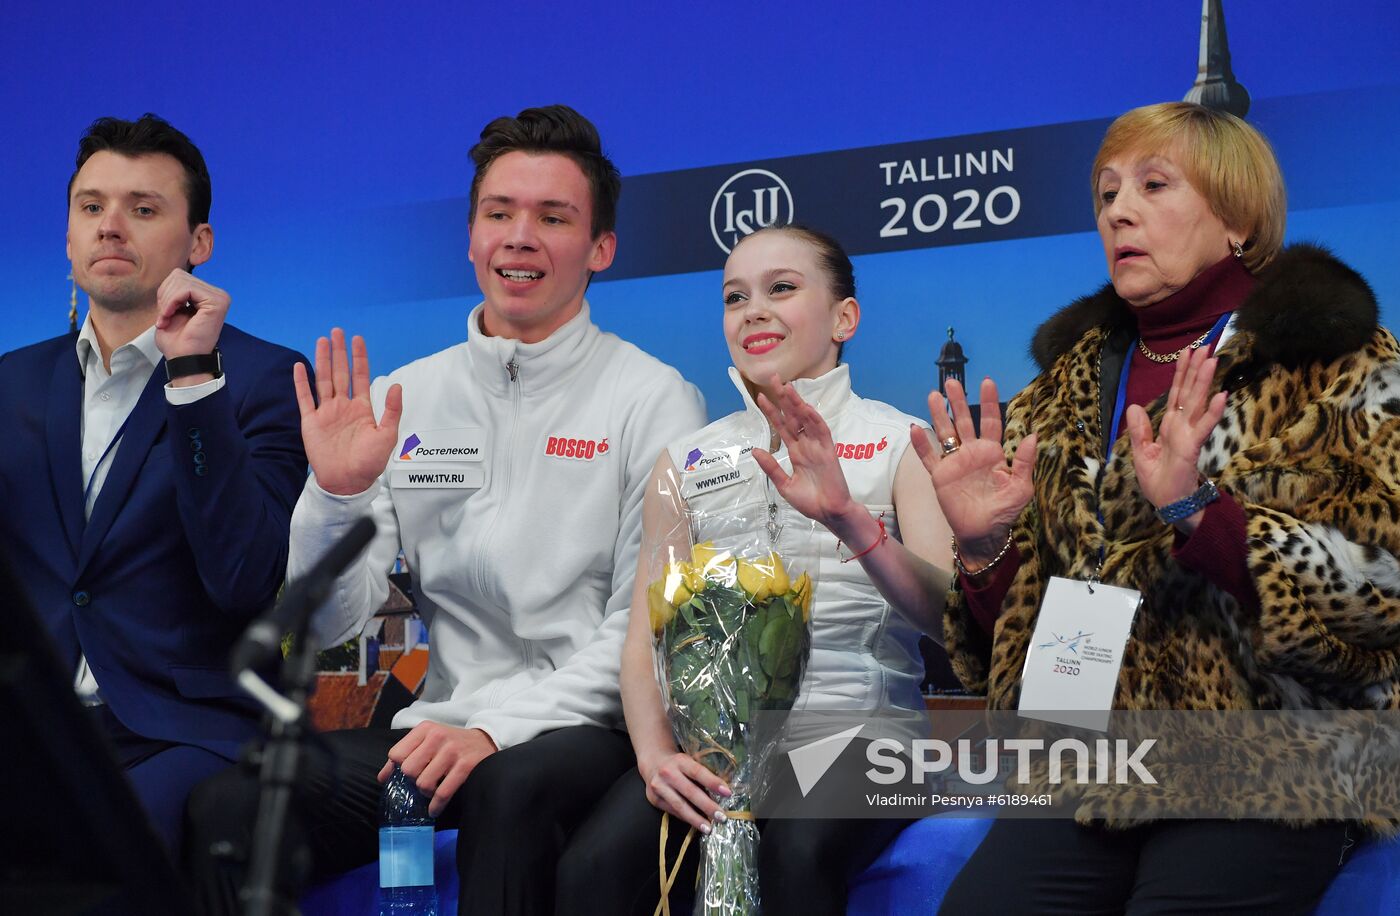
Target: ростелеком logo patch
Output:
{"points": [[409, 445]]}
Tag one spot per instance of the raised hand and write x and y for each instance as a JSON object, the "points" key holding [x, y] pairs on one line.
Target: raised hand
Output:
{"points": [[817, 486], [979, 493], [1166, 465], [347, 449], [189, 315]]}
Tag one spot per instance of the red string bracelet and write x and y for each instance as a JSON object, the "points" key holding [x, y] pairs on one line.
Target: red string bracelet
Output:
{"points": [[884, 536]]}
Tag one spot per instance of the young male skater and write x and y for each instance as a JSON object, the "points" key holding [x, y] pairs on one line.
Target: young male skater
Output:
{"points": [[509, 469]]}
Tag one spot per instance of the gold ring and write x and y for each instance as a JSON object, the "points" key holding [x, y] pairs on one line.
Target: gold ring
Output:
{"points": [[950, 445]]}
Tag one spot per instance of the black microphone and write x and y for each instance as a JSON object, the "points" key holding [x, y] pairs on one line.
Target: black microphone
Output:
{"points": [[263, 640]]}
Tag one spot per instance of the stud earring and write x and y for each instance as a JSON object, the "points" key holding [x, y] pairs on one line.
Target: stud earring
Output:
{"points": [[1239, 249]]}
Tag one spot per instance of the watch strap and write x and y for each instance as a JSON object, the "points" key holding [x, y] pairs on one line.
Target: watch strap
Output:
{"points": [[196, 364], [1205, 494]]}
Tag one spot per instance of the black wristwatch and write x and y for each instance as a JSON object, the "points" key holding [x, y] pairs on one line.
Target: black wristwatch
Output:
{"points": [[1185, 508], [198, 364]]}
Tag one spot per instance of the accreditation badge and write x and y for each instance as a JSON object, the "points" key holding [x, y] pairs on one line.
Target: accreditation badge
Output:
{"points": [[1072, 665]]}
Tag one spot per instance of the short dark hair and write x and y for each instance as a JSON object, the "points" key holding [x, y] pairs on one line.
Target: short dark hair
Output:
{"points": [[553, 129], [831, 257], [147, 135]]}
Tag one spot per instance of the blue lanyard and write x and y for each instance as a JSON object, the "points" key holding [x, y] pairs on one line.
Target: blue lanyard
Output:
{"points": [[87, 490], [1119, 404], [1122, 398]]}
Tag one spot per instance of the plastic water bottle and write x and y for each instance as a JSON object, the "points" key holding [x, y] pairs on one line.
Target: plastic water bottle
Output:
{"points": [[405, 850]]}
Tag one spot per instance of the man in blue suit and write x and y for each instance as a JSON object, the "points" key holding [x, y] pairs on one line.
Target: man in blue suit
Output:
{"points": [[151, 464]]}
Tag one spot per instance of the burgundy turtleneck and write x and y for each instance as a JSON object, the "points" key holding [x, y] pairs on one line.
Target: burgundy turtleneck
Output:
{"points": [[1176, 321], [1216, 549]]}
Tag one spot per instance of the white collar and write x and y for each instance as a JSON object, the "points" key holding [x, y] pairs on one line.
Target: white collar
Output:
{"points": [[829, 394], [536, 365], [88, 347]]}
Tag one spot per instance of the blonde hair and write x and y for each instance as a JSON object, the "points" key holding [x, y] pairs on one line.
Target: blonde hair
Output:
{"points": [[1227, 161]]}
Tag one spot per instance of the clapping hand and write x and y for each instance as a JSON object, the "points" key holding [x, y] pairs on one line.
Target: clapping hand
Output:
{"points": [[347, 449], [817, 486], [979, 493], [1166, 465]]}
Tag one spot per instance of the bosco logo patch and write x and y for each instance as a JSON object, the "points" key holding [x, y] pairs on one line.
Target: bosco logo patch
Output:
{"points": [[580, 449], [860, 451]]}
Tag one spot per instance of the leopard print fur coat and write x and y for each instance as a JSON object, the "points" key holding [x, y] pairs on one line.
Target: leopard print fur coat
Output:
{"points": [[1309, 447]]}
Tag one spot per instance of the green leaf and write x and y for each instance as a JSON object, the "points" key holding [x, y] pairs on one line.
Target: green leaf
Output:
{"points": [[688, 612], [779, 646]]}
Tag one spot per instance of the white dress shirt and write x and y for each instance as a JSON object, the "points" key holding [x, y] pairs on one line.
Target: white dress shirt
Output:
{"points": [[108, 399]]}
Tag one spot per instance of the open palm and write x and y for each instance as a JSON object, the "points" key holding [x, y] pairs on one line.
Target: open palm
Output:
{"points": [[347, 448], [817, 486], [1166, 464], [979, 493]]}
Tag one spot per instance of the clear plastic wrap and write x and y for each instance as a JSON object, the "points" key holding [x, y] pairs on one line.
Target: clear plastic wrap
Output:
{"points": [[730, 634]]}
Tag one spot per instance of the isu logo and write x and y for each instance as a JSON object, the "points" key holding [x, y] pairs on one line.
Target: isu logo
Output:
{"points": [[746, 202], [582, 449], [862, 451]]}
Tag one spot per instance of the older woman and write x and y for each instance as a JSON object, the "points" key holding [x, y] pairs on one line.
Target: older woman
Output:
{"points": [[1217, 430]]}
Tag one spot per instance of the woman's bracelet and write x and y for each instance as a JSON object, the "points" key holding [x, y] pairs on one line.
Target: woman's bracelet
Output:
{"points": [[957, 559], [883, 536]]}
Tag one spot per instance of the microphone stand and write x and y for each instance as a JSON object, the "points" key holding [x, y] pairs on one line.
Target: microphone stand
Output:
{"points": [[277, 775], [282, 754]]}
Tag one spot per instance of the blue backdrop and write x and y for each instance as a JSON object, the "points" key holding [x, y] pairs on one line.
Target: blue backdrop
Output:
{"points": [[337, 134]]}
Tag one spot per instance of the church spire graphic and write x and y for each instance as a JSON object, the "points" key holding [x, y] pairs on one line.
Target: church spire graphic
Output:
{"points": [[1215, 85], [952, 363]]}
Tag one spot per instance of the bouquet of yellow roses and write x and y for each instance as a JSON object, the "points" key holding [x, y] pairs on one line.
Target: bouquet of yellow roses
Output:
{"points": [[731, 638]]}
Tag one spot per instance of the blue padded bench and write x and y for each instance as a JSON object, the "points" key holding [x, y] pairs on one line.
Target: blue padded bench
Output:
{"points": [[914, 872], [909, 877]]}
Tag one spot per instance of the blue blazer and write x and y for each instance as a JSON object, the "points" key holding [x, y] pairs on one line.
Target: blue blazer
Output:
{"points": [[187, 542]]}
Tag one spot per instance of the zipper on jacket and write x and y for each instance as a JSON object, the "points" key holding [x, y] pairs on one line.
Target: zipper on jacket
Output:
{"points": [[503, 481], [774, 529]]}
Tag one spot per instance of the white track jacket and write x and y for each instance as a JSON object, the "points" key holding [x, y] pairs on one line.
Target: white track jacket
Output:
{"points": [[515, 492]]}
